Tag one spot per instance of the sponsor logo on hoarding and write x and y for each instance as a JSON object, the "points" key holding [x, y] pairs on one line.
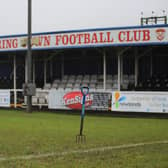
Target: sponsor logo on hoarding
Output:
{"points": [[118, 99], [74, 100]]}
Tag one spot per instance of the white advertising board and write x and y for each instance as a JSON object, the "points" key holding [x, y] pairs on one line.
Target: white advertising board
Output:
{"points": [[4, 98], [73, 100], [140, 101]]}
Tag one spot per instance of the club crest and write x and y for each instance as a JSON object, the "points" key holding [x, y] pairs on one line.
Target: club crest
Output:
{"points": [[160, 34]]}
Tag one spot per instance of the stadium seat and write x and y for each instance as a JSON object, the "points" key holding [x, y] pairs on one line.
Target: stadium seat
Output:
{"points": [[92, 86], [99, 86], [69, 85], [60, 89], [124, 86], [86, 80], [35, 100], [109, 81], [65, 77], [47, 86], [57, 81], [78, 80], [115, 77], [125, 77], [64, 81], [55, 85], [93, 81], [109, 77], [94, 76], [62, 85], [108, 86], [42, 100], [115, 86], [100, 77], [68, 89], [76, 86], [72, 77], [86, 77], [79, 77], [131, 77], [71, 80]]}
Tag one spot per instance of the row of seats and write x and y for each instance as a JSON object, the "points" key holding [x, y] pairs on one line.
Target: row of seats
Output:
{"points": [[93, 81], [7, 83], [41, 97], [153, 84], [72, 82]]}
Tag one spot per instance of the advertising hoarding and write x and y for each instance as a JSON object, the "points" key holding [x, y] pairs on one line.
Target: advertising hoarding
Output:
{"points": [[4, 98], [73, 100], [140, 101]]}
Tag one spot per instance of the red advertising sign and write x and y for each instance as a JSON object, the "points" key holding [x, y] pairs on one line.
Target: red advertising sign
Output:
{"points": [[73, 100]]}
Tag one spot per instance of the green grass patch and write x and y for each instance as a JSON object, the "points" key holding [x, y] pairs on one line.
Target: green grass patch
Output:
{"points": [[41, 132]]}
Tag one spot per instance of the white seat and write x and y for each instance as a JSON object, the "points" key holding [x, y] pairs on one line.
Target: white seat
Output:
{"points": [[71, 80], [109, 77], [94, 76], [86, 77], [115, 77], [115, 81], [115, 86], [76, 86], [72, 77], [99, 86], [100, 77], [63, 81], [92, 86], [69, 85], [110, 81], [79, 77], [108, 86], [84, 84], [126, 81], [56, 81], [78, 81], [42, 100], [68, 89], [60, 89], [38, 89], [55, 85], [62, 85], [85, 81], [65, 77], [93, 80], [132, 77], [34, 100], [125, 86], [47, 86], [125, 76]]}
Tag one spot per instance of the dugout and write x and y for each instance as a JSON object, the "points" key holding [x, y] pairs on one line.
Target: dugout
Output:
{"points": [[109, 59]]}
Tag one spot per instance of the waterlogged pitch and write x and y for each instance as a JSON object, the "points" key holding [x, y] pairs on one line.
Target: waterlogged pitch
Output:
{"points": [[44, 139]]}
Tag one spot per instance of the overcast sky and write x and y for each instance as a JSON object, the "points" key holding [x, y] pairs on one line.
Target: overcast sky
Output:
{"points": [[54, 15]]}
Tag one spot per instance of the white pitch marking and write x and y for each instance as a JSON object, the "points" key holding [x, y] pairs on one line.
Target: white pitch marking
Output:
{"points": [[100, 149]]}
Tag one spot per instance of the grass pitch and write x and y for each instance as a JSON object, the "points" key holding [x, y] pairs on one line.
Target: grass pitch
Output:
{"points": [[39, 133]]}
